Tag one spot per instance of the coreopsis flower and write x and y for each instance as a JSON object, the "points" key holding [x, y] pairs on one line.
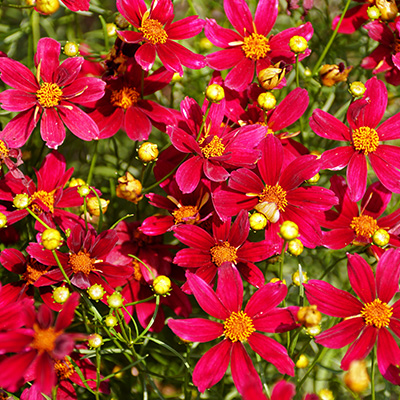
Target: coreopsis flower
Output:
{"points": [[366, 320], [275, 190], [41, 342], [239, 326], [159, 33], [351, 225], [51, 95], [250, 49], [6, 154], [363, 137], [123, 107], [227, 244], [48, 197]]}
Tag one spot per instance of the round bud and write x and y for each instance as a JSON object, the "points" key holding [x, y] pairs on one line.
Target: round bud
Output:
{"points": [[3, 221], [314, 179], [111, 29], [215, 93], [272, 76], [326, 394], [96, 292], [302, 361], [309, 316], [289, 230], [357, 89], [74, 182], [373, 13], [148, 152], [71, 49], [296, 278], [274, 280], [111, 321], [115, 300], [313, 330], [93, 206], [298, 44], [205, 44], [381, 237], [51, 239], [162, 285], [266, 101], [307, 72], [176, 77], [61, 294], [295, 247], [357, 378], [21, 201], [116, 372], [84, 190], [129, 188], [121, 21], [257, 221], [95, 341], [47, 7]]}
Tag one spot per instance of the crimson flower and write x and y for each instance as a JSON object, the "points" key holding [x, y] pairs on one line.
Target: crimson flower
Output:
{"points": [[354, 18], [363, 136], [77, 5], [159, 33], [249, 48], [51, 95], [260, 314], [365, 321]]}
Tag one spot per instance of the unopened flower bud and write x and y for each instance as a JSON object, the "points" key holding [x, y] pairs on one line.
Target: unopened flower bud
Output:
{"points": [[215, 93], [129, 188], [289, 230], [205, 44], [314, 179], [296, 278], [84, 190], [74, 182], [316, 153], [71, 49], [3, 221], [309, 316], [61, 294], [388, 9], [313, 330], [274, 280], [47, 7], [307, 72], [93, 206], [115, 370], [148, 152], [162, 285], [111, 321], [176, 77], [111, 29], [373, 13], [332, 74], [266, 101], [270, 77], [302, 361], [121, 21], [295, 247], [357, 378], [115, 300], [357, 89], [257, 221], [95, 341], [381, 237], [21, 201], [51, 239], [96, 292], [298, 44], [326, 394]]}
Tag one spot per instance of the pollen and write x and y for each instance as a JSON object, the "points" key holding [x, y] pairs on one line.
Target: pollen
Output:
{"points": [[377, 314], [274, 194], [186, 214], [49, 95], [215, 148], [44, 339], [364, 225], [137, 272], [223, 253], [125, 97], [255, 46], [239, 326], [47, 198], [34, 271], [64, 369], [365, 140], [4, 152], [81, 262], [153, 31]]}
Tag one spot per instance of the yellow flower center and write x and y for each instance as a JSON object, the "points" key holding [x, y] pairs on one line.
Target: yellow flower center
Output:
{"points": [[223, 253], [3, 152], [46, 198], [255, 46], [238, 326], [64, 369], [33, 272], [274, 194], [377, 314], [364, 225], [186, 214], [215, 148], [365, 140], [125, 97], [137, 272], [49, 95], [44, 339], [153, 31], [81, 262]]}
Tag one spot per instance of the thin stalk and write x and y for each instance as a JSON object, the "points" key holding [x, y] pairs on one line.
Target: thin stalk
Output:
{"points": [[320, 354], [297, 71], [373, 367], [37, 218], [61, 267], [92, 164]]}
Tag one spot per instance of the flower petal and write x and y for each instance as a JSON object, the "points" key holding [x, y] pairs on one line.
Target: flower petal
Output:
{"points": [[137, 124], [16, 75], [386, 173], [189, 173], [357, 176], [218, 35], [230, 287], [47, 58], [239, 16], [146, 55], [277, 320], [265, 16], [328, 126], [185, 28], [388, 355], [196, 329], [241, 75], [52, 129], [18, 130], [387, 275]]}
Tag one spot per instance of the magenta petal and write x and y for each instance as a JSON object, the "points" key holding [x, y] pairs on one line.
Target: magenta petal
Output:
{"points": [[18, 130], [185, 28], [251, 273], [145, 56], [84, 90], [390, 129], [17, 100], [131, 36], [108, 125], [246, 181], [352, 20], [239, 16], [390, 154], [230, 287], [196, 329], [46, 377], [192, 258], [47, 56], [16, 75], [241, 75], [283, 391], [265, 16], [225, 59], [386, 173], [388, 355], [215, 172], [169, 58], [211, 368], [387, 275], [68, 71], [239, 230], [132, 10], [186, 57], [66, 315], [277, 320], [52, 129], [270, 165], [137, 124], [194, 236], [337, 158], [329, 127], [14, 342], [189, 173], [219, 36], [337, 238], [357, 176]]}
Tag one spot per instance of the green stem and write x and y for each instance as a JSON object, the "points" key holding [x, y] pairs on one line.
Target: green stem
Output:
{"points": [[92, 164], [37, 218], [373, 366], [150, 324], [282, 260], [320, 354], [204, 121], [297, 71], [61, 267]]}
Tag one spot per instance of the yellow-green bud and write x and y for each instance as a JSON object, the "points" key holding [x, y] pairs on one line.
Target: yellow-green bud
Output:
{"points": [[84, 190], [258, 221], [274, 280], [205, 44], [111, 29], [96, 292], [289, 230], [296, 278], [148, 152], [61, 294], [373, 13], [115, 370], [381, 237], [3, 221], [326, 394], [313, 330], [357, 89], [21, 201], [295, 247], [47, 7], [93, 206], [176, 77], [314, 179], [162, 285], [115, 300], [71, 49], [298, 44], [302, 361], [307, 72], [74, 182], [51, 239], [95, 341], [215, 93], [266, 101], [111, 321]]}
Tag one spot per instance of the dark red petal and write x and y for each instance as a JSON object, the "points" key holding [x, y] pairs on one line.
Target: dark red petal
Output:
{"points": [[196, 329], [230, 287], [17, 75], [146, 55], [341, 334], [387, 275], [357, 176], [47, 56]]}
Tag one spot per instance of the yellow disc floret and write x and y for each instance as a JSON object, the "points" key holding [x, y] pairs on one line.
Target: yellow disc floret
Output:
{"points": [[153, 31], [49, 95], [364, 225], [377, 313], [365, 140], [255, 46], [238, 327], [223, 253]]}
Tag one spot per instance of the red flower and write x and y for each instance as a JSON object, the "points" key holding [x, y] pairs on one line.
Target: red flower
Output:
{"points": [[77, 5], [365, 321], [159, 33], [53, 99], [260, 314], [250, 48]]}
